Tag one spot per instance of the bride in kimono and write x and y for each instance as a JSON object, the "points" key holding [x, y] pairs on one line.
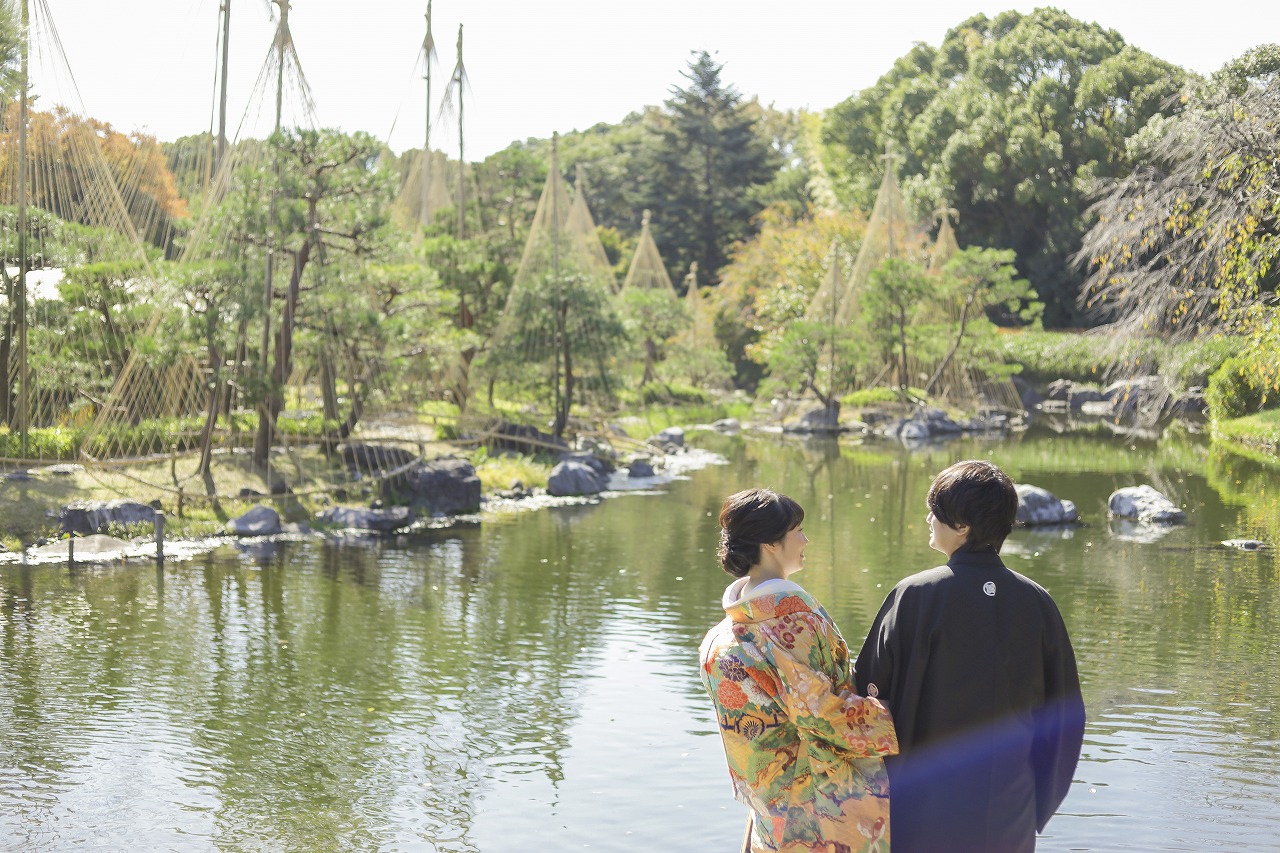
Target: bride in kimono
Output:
{"points": [[805, 751]]}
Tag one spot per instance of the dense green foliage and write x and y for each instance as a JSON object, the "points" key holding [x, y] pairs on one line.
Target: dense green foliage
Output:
{"points": [[1098, 359], [1234, 390], [709, 155], [1190, 242], [1009, 120], [1015, 120]]}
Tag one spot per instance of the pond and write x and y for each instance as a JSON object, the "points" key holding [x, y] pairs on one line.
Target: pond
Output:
{"points": [[530, 682]]}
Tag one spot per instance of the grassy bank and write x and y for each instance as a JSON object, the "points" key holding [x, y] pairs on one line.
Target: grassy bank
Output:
{"points": [[1100, 359], [1260, 432], [29, 507]]}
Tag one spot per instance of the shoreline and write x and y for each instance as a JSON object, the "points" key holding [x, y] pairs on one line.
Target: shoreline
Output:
{"points": [[101, 550], [497, 503]]}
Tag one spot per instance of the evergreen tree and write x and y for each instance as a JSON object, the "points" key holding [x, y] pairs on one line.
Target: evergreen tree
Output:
{"points": [[708, 154]]}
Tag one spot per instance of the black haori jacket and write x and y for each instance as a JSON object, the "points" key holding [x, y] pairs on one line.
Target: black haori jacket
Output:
{"points": [[974, 662]]}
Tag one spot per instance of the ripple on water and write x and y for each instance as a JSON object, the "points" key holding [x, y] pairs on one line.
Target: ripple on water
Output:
{"points": [[1176, 777]]}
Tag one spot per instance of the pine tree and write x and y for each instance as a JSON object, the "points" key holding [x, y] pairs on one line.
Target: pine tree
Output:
{"points": [[708, 154]]}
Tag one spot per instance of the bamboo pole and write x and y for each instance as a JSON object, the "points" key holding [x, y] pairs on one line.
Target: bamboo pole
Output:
{"points": [[462, 183], [222, 94], [24, 414], [428, 50]]}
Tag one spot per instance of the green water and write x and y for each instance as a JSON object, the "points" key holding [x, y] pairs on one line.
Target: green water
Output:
{"points": [[529, 683]]}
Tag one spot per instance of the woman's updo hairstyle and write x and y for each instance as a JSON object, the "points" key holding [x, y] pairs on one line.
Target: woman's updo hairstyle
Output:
{"points": [[750, 519]]}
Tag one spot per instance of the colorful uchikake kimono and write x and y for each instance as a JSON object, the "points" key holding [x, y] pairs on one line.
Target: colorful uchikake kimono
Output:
{"points": [[804, 751]]}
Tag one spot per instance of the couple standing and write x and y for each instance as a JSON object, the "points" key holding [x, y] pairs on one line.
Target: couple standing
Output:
{"points": [[958, 728]]}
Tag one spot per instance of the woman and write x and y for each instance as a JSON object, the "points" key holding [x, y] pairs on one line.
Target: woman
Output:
{"points": [[804, 750]]}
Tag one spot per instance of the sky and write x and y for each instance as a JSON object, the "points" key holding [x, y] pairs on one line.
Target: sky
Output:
{"points": [[536, 67]]}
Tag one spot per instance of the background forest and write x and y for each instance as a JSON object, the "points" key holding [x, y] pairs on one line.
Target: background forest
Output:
{"points": [[1089, 183]]}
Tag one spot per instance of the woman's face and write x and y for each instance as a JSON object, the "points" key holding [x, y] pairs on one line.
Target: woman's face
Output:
{"points": [[943, 537], [791, 551]]}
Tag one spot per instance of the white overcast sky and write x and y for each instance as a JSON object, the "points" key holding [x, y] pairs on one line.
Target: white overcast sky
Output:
{"points": [[536, 67]]}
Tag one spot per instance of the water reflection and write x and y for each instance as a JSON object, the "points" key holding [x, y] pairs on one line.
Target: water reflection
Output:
{"points": [[531, 680]]}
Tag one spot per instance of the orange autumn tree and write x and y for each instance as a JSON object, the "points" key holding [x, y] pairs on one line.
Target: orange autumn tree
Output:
{"points": [[75, 165]]}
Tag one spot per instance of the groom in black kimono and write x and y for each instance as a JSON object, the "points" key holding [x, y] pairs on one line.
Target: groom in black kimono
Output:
{"points": [[975, 664]]}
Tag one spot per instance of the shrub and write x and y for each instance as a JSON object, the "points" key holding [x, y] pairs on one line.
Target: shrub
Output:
{"points": [[1193, 363], [1236, 389], [880, 395], [1098, 359], [1046, 356], [55, 443], [671, 393]]}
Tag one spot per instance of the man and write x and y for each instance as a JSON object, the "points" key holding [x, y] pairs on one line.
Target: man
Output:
{"points": [[974, 662]]}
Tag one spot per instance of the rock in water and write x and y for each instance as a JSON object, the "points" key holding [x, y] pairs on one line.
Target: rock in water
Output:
{"points": [[640, 467], [671, 436], [357, 518], [1143, 503], [259, 521], [575, 477], [1038, 506], [1244, 544], [445, 486], [85, 517]]}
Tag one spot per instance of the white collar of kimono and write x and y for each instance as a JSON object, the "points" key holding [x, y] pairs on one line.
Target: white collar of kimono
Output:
{"points": [[773, 586]]}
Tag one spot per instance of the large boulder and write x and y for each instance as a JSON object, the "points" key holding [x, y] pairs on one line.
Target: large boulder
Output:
{"points": [[1074, 394], [85, 517], [1082, 395], [1026, 393], [259, 521], [359, 518], [1037, 506], [603, 466], [641, 466], [668, 438], [914, 430], [522, 438], [1148, 396], [820, 420], [444, 486], [1190, 405], [1143, 503], [922, 426], [940, 423], [376, 457], [575, 477], [1059, 390]]}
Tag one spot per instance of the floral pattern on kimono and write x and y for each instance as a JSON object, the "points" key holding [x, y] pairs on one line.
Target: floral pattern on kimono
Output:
{"points": [[805, 752]]}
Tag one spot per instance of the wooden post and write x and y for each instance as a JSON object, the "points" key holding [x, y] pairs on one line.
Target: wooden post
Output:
{"points": [[71, 549], [159, 537]]}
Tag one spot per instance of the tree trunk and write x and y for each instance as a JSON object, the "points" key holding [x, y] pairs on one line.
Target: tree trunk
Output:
{"points": [[955, 345], [903, 382], [6, 390], [6, 350], [241, 355], [269, 413], [650, 358], [329, 392], [212, 403]]}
